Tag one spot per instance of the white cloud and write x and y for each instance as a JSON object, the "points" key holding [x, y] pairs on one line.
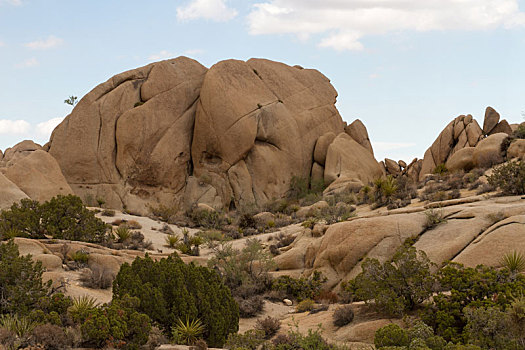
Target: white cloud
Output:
{"points": [[45, 129], [49, 43], [343, 23], [215, 10], [161, 56], [30, 62], [18, 127]]}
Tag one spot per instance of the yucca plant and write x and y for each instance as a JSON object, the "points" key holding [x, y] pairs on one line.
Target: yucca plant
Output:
{"points": [[187, 333], [21, 326], [82, 305], [172, 241], [123, 233], [514, 262], [10, 233]]}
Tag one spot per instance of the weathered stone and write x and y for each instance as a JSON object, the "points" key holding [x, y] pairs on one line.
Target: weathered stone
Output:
{"points": [[461, 160], [488, 151], [358, 132], [491, 120], [321, 147], [503, 126], [516, 149], [9, 193]]}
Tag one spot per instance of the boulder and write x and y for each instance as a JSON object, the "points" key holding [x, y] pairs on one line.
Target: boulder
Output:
{"points": [[358, 132], [28, 246], [39, 176], [345, 244], [264, 218], [461, 160], [349, 162], [474, 133], [258, 112], [128, 140], [317, 175], [49, 261], [19, 151], [488, 151], [516, 149], [9, 193], [503, 126], [321, 147], [439, 151], [392, 167], [311, 210], [413, 169], [491, 120], [402, 164]]}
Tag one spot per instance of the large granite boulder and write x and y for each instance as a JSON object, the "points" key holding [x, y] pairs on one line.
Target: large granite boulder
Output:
{"points": [[9, 192], [237, 133]]}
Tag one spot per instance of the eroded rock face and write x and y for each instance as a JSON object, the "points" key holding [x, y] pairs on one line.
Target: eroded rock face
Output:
{"points": [[238, 131], [9, 192]]}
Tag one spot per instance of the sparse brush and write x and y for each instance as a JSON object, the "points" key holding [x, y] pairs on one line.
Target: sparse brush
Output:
{"points": [[97, 278], [343, 316], [434, 218], [108, 212], [269, 325], [514, 262], [133, 225], [187, 333], [305, 305], [80, 257], [123, 233]]}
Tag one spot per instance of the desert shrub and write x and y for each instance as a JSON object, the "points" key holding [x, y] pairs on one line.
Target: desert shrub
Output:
{"points": [[298, 188], [212, 238], [519, 133], [251, 340], [22, 219], [300, 288], [97, 277], [133, 225], [212, 220], [187, 332], [463, 287], [80, 307], [80, 256], [115, 325], [108, 212], [305, 305], [391, 335], [7, 338], [200, 345], [155, 339], [398, 285], [21, 284], [52, 337], [168, 290], [487, 328], [250, 306], [189, 244], [65, 217], [269, 325], [384, 190], [485, 188], [440, 169], [245, 268], [343, 315], [434, 218], [332, 215], [52, 309], [164, 213], [327, 297], [509, 177]]}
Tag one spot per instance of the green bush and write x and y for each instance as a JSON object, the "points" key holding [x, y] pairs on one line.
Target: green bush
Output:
{"points": [[245, 269], [22, 219], [250, 340], [434, 218], [62, 217], [509, 177], [391, 335], [397, 285], [65, 217], [519, 133], [169, 290], [300, 288], [463, 287], [305, 305], [488, 328], [343, 315], [115, 325], [21, 284]]}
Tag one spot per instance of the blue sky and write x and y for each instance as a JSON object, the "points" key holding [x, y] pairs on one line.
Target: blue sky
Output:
{"points": [[404, 67]]}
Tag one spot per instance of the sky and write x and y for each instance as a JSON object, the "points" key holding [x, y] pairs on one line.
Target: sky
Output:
{"points": [[404, 67]]}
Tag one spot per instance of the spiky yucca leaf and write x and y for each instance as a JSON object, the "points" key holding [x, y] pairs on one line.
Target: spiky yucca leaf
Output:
{"points": [[514, 261], [187, 333]]}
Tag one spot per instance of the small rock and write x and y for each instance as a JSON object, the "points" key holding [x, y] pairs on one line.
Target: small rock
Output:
{"points": [[287, 302], [319, 230]]}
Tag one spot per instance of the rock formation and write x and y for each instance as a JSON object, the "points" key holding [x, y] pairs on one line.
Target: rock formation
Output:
{"points": [[176, 133]]}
